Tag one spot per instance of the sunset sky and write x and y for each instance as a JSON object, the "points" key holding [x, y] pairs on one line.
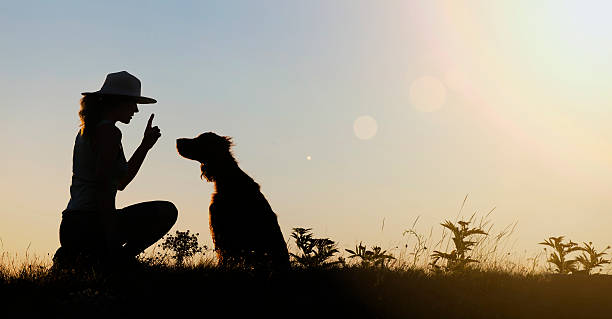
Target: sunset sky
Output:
{"points": [[347, 113]]}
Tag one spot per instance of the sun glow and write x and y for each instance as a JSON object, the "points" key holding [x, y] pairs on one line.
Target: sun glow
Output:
{"points": [[427, 94]]}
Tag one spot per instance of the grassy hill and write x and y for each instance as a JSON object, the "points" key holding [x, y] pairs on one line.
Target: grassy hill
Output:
{"points": [[205, 290]]}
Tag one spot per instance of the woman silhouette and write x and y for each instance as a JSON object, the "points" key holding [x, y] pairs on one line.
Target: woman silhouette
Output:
{"points": [[92, 228]]}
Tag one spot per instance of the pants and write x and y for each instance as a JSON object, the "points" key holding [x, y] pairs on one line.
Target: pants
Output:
{"points": [[127, 231]]}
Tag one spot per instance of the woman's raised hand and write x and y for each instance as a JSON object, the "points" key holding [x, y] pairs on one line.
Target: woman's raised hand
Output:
{"points": [[151, 134]]}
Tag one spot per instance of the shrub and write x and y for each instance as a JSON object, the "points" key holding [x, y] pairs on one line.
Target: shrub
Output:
{"points": [[182, 245]]}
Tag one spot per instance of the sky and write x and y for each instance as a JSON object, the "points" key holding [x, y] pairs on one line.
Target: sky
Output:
{"points": [[355, 117]]}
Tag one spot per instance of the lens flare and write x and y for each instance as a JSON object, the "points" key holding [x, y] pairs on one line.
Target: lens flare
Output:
{"points": [[365, 127]]}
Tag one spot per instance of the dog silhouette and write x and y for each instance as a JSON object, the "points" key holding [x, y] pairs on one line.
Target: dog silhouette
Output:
{"points": [[243, 226]]}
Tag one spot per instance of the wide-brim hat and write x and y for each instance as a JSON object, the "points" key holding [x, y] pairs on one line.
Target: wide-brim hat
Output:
{"points": [[122, 84]]}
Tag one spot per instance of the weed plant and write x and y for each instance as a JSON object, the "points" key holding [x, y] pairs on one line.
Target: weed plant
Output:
{"points": [[419, 248], [494, 252], [376, 257], [458, 259], [582, 264], [591, 258], [313, 252]]}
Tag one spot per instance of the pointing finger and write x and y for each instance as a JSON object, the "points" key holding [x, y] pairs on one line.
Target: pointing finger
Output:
{"points": [[150, 120]]}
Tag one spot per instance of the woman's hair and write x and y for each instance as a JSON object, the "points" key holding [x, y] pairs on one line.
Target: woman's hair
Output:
{"points": [[92, 109]]}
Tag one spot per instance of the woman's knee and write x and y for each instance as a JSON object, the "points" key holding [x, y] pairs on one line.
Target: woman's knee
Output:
{"points": [[168, 212]]}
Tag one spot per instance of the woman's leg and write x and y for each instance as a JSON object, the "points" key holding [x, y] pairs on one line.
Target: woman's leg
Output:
{"points": [[142, 224], [82, 236], [82, 232]]}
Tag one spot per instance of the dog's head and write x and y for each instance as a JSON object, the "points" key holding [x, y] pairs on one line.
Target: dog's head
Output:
{"points": [[210, 149]]}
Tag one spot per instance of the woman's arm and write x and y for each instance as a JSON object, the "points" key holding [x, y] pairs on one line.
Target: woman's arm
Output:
{"points": [[151, 135]]}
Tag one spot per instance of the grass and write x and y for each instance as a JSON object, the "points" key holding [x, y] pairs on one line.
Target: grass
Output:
{"points": [[359, 292], [467, 273]]}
